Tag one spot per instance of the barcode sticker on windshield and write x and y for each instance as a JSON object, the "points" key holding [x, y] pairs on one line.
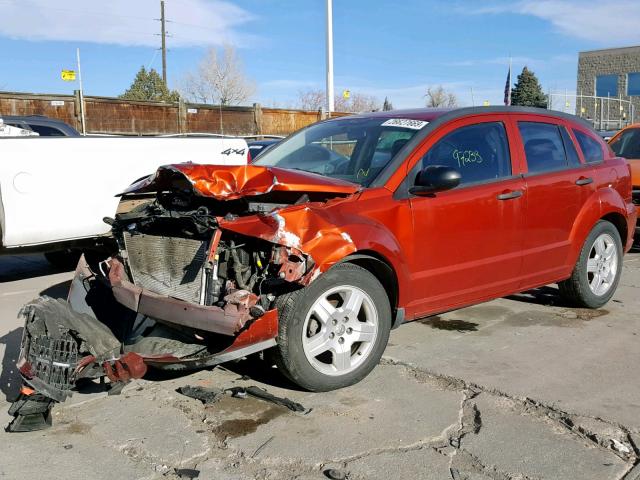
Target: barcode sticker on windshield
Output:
{"points": [[405, 122]]}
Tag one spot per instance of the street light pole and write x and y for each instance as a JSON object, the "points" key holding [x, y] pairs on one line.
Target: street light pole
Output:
{"points": [[330, 104]]}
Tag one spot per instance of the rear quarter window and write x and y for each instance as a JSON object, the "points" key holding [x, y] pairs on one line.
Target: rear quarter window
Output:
{"points": [[591, 149]]}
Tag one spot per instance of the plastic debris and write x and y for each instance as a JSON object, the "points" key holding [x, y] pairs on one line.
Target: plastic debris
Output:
{"points": [[266, 396], [205, 395], [189, 473]]}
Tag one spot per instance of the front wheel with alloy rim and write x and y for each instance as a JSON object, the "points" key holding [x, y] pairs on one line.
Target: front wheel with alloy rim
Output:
{"points": [[597, 272], [333, 332]]}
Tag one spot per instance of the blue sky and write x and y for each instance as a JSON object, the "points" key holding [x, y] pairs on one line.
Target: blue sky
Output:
{"points": [[382, 47]]}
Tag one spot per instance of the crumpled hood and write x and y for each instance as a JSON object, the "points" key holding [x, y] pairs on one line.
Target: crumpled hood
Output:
{"points": [[230, 182]]}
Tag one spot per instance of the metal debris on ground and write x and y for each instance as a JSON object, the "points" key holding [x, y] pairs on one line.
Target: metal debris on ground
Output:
{"points": [[266, 396], [205, 395]]}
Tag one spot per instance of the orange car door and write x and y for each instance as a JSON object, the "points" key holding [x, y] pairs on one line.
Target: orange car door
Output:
{"points": [[557, 184]]}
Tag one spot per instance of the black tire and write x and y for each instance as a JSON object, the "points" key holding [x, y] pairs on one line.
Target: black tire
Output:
{"points": [[576, 289], [293, 308]]}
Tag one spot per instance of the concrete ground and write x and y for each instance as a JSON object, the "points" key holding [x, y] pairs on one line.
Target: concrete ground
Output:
{"points": [[519, 388]]}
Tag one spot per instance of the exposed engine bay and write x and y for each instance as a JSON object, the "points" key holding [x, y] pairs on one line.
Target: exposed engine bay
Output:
{"points": [[174, 246], [181, 290]]}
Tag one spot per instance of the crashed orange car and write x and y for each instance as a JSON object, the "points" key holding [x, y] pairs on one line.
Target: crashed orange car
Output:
{"points": [[333, 237], [626, 144]]}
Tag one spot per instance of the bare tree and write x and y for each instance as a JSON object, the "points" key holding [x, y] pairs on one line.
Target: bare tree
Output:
{"points": [[439, 97], [219, 79], [357, 102], [315, 99], [311, 99]]}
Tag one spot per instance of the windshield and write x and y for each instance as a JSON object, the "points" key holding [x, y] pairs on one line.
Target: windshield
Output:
{"points": [[353, 149], [627, 145]]}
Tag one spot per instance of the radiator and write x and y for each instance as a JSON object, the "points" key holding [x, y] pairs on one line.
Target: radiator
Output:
{"points": [[168, 266]]}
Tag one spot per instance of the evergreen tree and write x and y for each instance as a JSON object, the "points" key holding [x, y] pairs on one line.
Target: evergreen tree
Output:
{"points": [[527, 91], [387, 105], [148, 85]]}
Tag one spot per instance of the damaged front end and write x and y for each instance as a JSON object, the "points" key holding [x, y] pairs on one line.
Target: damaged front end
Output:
{"points": [[201, 260]]}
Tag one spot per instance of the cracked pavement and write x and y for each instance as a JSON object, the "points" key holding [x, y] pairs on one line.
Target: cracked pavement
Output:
{"points": [[520, 388]]}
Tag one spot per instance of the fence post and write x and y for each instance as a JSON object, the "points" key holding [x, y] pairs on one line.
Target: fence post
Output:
{"points": [[257, 118], [182, 116], [76, 109]]}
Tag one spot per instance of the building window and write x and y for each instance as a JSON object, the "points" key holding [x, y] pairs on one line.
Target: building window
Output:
{"points": [[633, 84], [607, 86]]}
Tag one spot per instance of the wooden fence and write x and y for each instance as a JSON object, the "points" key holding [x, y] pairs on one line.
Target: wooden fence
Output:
{"points": [[105, 115]]}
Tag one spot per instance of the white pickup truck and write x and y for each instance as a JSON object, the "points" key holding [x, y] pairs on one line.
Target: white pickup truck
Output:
{"points": [[55, 191]]}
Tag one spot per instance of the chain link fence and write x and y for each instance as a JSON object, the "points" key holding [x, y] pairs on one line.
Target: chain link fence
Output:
{"points": [[605, 113]]}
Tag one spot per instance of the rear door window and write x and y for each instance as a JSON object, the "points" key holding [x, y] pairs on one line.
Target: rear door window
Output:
{"points": [[479, 152], [543, 146], [591, 148]]}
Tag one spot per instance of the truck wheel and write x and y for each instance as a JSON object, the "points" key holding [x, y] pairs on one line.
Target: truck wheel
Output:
{"points": [[597, 272], [333, 332]]}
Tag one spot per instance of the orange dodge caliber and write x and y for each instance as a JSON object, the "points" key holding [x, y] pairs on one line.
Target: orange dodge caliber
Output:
{"points": [[626, 144], [333, 237]]}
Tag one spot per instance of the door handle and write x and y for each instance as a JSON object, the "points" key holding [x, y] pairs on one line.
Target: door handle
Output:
{"points": [[510, 195], [584, 181]]}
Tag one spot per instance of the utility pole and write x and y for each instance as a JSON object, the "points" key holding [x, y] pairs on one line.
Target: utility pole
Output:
{"points": [[164, 43], [330, 105]]}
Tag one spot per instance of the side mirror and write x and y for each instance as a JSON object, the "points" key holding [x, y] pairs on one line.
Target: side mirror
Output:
{"points": [[435, 178]]}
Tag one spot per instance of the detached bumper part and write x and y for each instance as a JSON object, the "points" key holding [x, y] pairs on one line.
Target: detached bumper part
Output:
{"points": [[97, 334], [31, 413]]}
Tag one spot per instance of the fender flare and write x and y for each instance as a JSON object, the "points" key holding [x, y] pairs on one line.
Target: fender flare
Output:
{"points": [[603, 202]]}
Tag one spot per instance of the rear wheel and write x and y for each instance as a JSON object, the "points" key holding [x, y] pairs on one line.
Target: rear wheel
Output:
{"points": [[333, 332], [597, 272]]}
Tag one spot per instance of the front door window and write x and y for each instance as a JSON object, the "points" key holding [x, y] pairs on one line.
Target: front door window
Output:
{"points": [[480, 152]]}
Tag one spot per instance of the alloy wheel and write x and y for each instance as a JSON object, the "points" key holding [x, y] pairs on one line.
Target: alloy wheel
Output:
{"points": [[602, 264], [340, 330]]}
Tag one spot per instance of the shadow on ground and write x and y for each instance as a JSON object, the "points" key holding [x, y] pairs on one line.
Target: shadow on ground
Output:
{"points": [[59, 290], [549, 296], [9, 376], [263, 371], [21, 267], [252, 367]]}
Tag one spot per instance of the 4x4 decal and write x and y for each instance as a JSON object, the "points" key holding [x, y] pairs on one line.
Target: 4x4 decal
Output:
{"points": [[235, 151]]}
